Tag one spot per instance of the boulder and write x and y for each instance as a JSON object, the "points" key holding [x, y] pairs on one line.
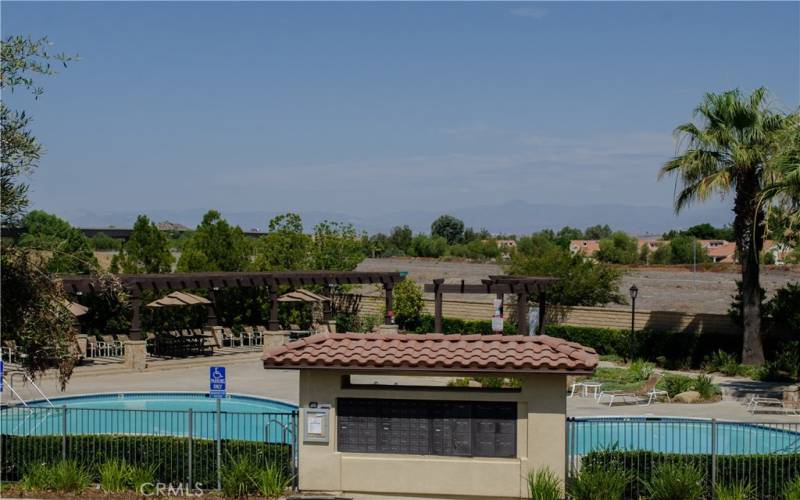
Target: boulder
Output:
{"points": [[687, 397]]}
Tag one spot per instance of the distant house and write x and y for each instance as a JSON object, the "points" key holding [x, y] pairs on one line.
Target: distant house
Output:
{"points": [[585, 247], [506, 244], [720, 251], [779, 251]]}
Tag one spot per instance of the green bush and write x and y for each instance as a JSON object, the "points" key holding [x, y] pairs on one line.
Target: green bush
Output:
{"points": [[463, 326], [115, 476], [237, 477], [90, 451], [68, 476], [791, 490], [543, 484], [740, 490], [36, 478], [676, 384], [408, 304], [723, 362], [704, 385], [142, 478], [607, 483], [641, 370], [641, 464], [675, 481], [272, 481]]}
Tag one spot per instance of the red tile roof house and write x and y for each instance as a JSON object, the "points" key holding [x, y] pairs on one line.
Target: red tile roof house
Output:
{"points": [[377, 417]]}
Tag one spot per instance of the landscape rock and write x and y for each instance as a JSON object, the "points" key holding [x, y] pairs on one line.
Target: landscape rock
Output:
{"points": [[687, 397]]}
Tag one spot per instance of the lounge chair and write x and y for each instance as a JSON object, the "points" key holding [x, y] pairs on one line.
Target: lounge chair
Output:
{"points": [[648, 391], [247, 334], [228, 337], [788, 404]]}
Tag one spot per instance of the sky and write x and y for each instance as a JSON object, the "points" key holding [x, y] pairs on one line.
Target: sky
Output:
{"points": [[374, 108]]}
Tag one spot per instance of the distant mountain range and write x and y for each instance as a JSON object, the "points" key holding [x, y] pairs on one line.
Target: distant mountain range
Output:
{"points": [[516, 217]]}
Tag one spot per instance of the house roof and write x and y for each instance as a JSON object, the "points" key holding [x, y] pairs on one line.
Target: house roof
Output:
{"points": [[434, 352]]}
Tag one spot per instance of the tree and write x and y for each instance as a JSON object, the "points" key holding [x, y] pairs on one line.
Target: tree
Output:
{"points": [[782, 190], [566, 234], [428, 246], [401, 237], [681, 251], [35, 316], [449, 228], [597, 232], [146, 251], [619, 248], [285, 247], [729, 150], [68, 250], [583, 282], [335, 247], [215, 246], [408, 304], [22, 59]]}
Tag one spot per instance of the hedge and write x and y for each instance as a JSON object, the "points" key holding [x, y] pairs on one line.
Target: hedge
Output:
{"points": [[768, 474], [169, 455], [463, 326]]}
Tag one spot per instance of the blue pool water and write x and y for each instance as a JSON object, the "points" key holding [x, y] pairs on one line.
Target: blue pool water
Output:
{"points": [[161, 414], [675, 435]]}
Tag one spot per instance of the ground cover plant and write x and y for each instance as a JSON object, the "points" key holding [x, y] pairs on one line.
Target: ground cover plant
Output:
{"points": [[543, 484]]}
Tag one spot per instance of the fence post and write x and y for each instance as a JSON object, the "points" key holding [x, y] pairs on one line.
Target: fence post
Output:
{"points": [[566, 449], [219, 444], [63, 432], [295, 450], [189, 432], [713, 455]]}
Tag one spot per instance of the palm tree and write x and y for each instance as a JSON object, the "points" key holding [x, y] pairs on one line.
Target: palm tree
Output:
{"points": [[781, 193], [729, 150]]}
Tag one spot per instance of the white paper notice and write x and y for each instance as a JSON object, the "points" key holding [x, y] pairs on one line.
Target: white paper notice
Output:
{"points": [[314, 424]]}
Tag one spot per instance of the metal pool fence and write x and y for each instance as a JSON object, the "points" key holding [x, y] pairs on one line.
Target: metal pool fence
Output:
{"points": [[765, 455], [181, 446]]}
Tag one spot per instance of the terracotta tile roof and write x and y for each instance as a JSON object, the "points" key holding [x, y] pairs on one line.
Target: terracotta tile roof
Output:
{"points": [[434, 352]]}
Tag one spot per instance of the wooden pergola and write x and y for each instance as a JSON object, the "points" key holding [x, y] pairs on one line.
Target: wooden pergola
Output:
{"points": [[522, 286], [136, 284]]}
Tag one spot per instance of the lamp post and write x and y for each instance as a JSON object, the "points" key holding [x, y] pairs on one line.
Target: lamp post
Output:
{"points": [[634, 291]]}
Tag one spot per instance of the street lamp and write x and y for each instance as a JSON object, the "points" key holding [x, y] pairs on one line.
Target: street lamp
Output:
{"points": [[634, 292]]}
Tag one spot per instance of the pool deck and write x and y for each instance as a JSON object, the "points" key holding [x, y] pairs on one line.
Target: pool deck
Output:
{"points": [[247, 376]]}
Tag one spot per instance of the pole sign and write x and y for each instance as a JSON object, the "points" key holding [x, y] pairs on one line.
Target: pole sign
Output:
{"points": [[216, 381]]}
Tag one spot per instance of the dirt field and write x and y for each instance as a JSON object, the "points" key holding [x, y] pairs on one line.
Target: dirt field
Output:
{"points": [[662, 289]]}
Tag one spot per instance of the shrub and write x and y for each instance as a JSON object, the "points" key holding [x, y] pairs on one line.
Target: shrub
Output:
{"points": [[272, 481], [599, 484], [734, 491], [543, 484], [641, 464], [723, 362], [237, 477], [791, 490], [459, 326], [141, 478], [408, 304], [704, 385], [674, 481], [772, 371], [36, 478], [676, 384], [114, 476], [67, 476], [641, 369], [90, 451]]}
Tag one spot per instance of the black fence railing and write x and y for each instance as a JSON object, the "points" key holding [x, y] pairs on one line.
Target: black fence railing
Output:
{"points": [[182, 446], [765, 455]]}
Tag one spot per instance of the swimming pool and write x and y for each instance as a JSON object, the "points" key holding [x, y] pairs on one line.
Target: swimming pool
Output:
{"points": [[681, 435], [154, 413]]}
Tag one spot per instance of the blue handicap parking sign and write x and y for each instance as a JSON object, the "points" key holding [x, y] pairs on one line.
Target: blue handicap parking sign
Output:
{"points": [[216, 381]]}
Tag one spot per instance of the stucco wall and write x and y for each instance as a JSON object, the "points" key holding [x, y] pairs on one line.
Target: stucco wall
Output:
{"points": [[541, 408], [660, 321]]}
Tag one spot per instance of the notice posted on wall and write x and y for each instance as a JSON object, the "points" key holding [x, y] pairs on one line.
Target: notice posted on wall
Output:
{"points": [[314, 424]]}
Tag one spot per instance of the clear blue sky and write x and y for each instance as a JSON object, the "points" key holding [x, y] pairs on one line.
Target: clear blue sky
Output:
{"points": [[377, 107]]}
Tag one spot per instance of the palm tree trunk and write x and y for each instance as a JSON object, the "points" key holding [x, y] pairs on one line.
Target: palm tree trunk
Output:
{"points": [[749, 229]]}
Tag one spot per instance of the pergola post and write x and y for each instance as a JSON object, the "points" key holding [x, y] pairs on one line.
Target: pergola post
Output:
{"points": [[389, 319], [542, 307], [522, 313], [326, 306], [438, 302], [273, 324], [212, 309], [136, 318]]}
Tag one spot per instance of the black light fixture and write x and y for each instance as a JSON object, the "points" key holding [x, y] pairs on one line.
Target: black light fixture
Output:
{"points": [[634, 292]]}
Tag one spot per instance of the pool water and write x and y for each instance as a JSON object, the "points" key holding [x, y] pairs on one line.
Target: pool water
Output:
{"points": [[675, 435], [158, 414]]}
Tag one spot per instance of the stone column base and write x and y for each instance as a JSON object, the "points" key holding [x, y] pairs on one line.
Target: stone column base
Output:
{"points": [[136, 354]]}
